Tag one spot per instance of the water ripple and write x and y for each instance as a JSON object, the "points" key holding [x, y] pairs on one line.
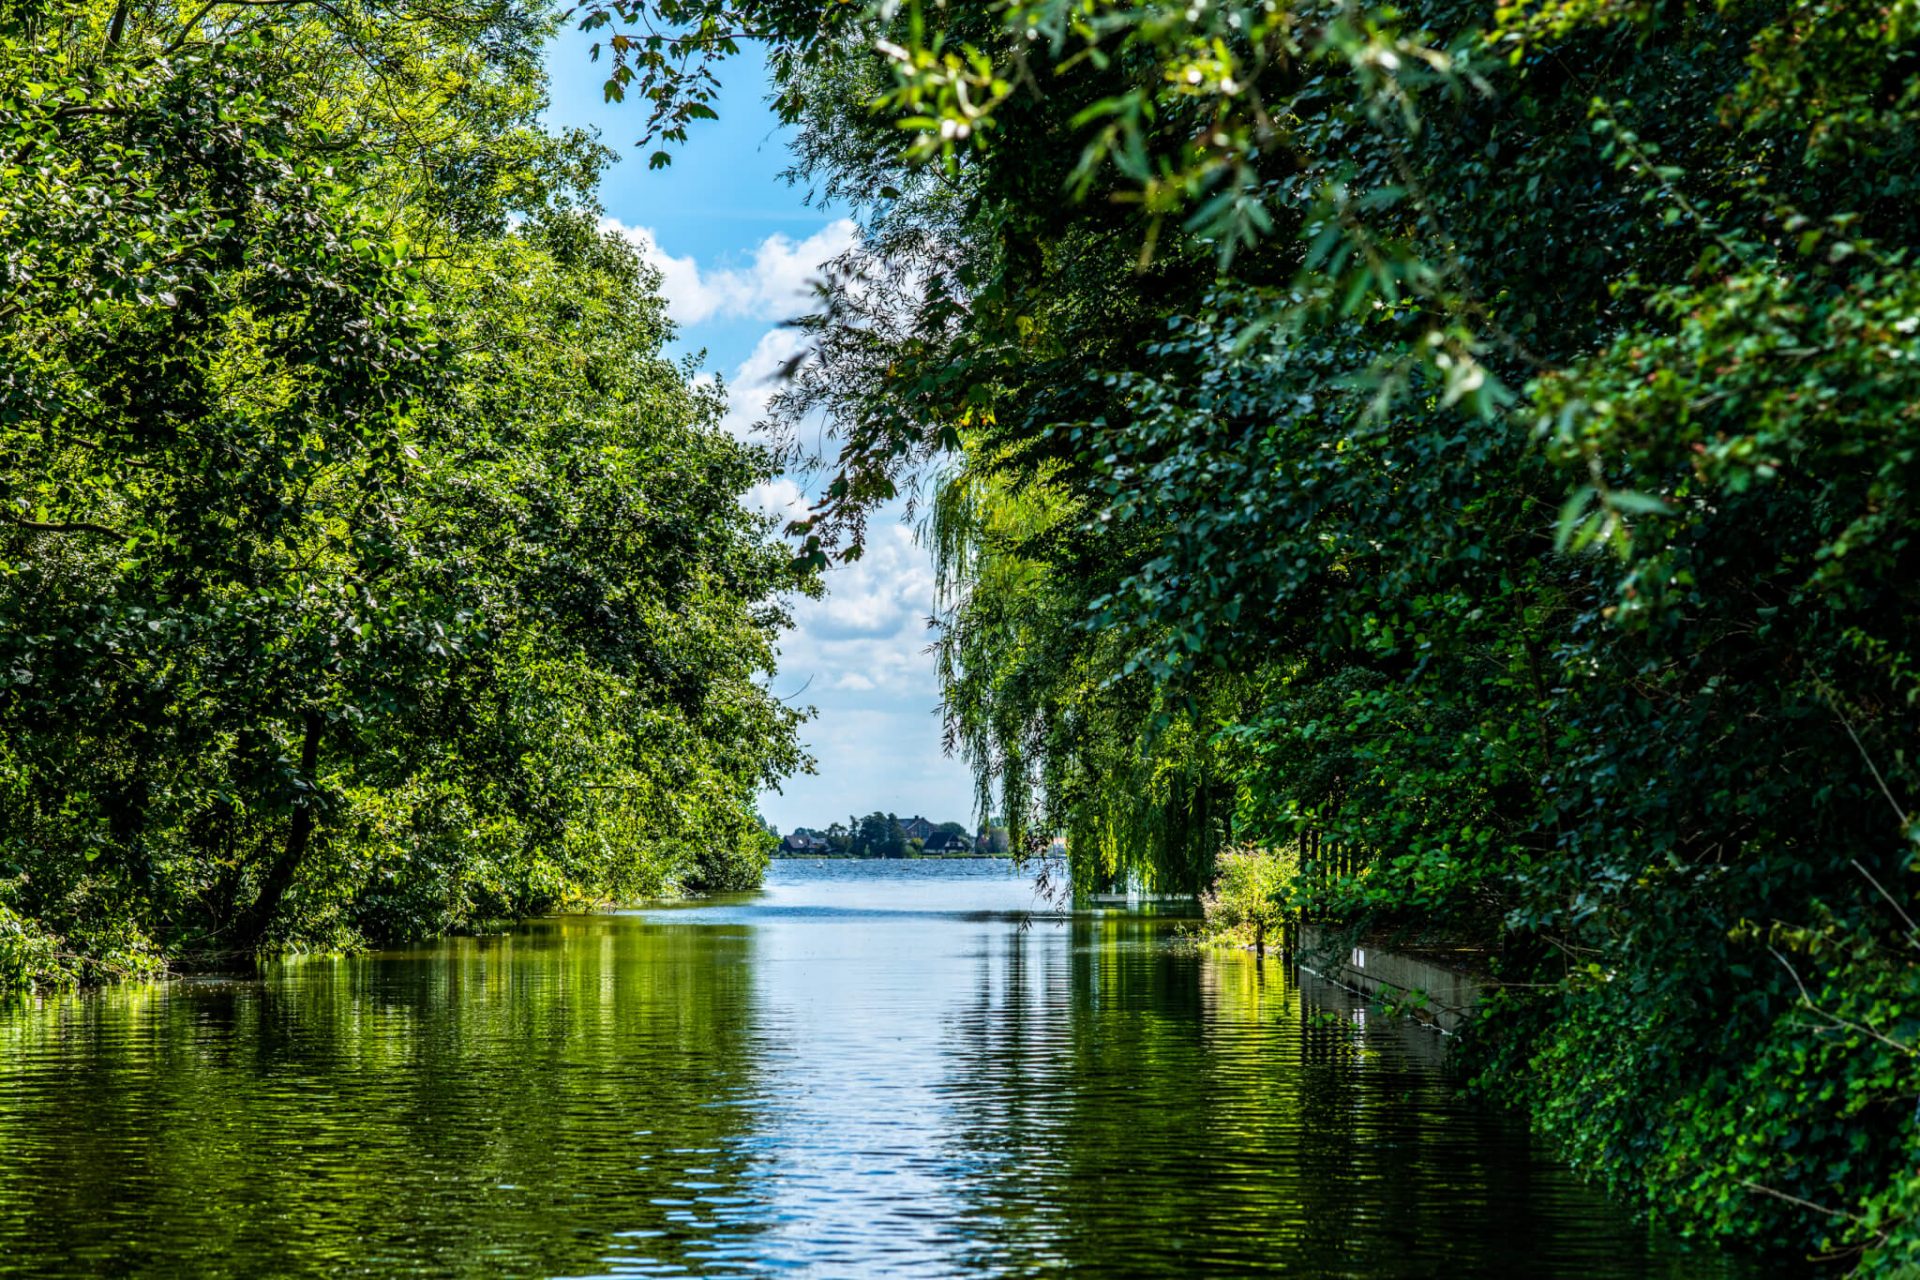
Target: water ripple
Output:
{"points": [[879, 1071]]}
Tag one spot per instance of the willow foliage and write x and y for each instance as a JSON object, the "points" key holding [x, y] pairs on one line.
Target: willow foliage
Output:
{"points": [[1129, 780]]}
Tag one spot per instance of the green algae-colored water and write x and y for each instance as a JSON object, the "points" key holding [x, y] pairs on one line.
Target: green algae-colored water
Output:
{"points": [[869, 1069]]}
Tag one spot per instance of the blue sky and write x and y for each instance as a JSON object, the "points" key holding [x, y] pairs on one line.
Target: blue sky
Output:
{"points": [[737, 247]]}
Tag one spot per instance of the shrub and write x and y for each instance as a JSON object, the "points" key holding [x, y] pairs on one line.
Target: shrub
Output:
{"points": [[1247, 900]]}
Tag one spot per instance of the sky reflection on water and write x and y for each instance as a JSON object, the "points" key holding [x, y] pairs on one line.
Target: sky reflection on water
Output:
{"points": [[871, 1070]]}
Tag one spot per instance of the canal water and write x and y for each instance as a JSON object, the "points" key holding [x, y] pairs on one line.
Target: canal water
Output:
{"points": [[868, 1069]]}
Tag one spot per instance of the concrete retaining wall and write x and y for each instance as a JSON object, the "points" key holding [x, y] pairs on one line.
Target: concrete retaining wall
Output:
{"points": [[1436, 994]]}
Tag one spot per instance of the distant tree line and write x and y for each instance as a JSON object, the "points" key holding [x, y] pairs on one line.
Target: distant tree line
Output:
{"points": [[886, 835]]}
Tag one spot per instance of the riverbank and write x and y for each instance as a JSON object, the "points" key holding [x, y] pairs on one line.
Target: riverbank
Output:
{"points": [[36, 962]]}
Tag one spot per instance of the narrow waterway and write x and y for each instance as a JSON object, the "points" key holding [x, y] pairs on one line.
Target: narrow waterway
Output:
{"points": [[868, 1069]]}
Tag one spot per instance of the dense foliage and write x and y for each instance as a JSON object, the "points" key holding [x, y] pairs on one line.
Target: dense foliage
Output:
{"points": [[365, 567], [1479, 435]]}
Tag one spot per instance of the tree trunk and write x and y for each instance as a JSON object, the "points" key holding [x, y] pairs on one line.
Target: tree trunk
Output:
{"points": [[299, 837]]}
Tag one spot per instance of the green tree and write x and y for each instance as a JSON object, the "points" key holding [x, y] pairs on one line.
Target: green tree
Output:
{"points": [[880, 835], [365, 568]]}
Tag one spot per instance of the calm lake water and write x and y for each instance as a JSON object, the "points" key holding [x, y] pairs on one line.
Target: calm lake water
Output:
{"points": [[869, 1069]]}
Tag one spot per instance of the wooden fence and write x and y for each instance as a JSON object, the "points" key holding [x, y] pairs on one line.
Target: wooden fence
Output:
{"points": [[1323, 861]]}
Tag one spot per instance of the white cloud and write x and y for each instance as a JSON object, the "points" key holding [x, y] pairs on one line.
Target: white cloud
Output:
{"points": [[868, 634], [888, 590], [858, 654], [780, 496], [775, 284], [757, 379], [859, 657]]}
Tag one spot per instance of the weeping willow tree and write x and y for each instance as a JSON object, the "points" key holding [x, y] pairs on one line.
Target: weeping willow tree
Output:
{"points": [[1127, 774]]}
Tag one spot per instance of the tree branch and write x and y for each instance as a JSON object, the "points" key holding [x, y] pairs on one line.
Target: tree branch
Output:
{"points": [[1804, 1204]]}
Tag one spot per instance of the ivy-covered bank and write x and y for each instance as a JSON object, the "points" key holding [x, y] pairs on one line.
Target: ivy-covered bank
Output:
{"points": [[1481, 435], [366, 570]]}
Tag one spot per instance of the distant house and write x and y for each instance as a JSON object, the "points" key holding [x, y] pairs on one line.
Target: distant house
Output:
{"points": [[804, 844], [947, 842], [916, 827]]}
